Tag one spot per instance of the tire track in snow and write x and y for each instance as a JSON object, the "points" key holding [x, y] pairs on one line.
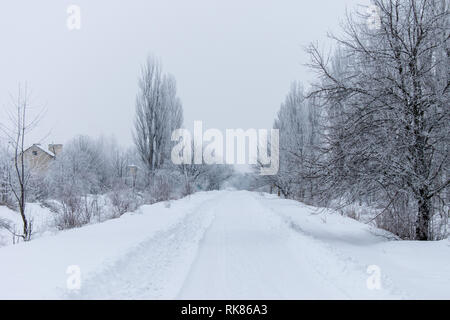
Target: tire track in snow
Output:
{"points": [[246, 255], [343, 271], [155, 268]]}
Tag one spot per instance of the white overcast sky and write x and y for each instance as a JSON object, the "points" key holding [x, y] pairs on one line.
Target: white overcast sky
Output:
{"points": [[233, 60]]}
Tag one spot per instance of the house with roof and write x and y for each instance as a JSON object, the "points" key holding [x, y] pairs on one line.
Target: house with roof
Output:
{"points": [[38, 159]]}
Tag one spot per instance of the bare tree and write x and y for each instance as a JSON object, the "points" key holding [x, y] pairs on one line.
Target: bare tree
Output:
{"points": [[387, 100], [297, 123], [16, 131], [158, 112]]}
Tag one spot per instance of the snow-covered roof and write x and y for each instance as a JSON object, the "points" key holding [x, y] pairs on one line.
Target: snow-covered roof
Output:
{"points": [[41, 148]]}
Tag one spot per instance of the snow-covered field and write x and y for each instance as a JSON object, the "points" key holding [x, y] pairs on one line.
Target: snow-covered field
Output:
{"points": [[226, 245], [41, 217]]}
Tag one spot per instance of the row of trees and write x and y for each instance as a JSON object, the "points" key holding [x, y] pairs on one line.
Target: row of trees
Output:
{"points": [[375, 127], [158, 113], [96, 179], [298, 124]]}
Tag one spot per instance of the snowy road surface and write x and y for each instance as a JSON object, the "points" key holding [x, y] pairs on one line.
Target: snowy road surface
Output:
{"points": [[249, 252], [227, 245]]}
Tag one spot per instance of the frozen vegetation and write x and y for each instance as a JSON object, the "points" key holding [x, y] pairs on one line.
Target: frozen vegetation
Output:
{"points": [[358, 208], [226, 245]]}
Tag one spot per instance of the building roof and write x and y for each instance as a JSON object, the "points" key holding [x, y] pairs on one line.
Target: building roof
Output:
{"points": [[42, 149]]}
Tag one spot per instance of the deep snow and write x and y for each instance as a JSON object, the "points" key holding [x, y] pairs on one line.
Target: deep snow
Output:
{"points": [[230, 245], [41, 218]]}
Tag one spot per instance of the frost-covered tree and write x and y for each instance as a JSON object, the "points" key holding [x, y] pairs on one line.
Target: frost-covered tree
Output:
{"points": [[83, 165], [158, 113], [387, 103], [297, 124], [81, 170], [17, 125], [5, 172]]}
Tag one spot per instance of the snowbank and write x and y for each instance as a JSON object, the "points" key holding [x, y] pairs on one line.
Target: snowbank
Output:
{"points": [[41, 217], [37, 269], [234, 244], [410, 269]]}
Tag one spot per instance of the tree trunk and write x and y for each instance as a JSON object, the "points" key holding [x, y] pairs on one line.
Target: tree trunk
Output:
{"points": [[423, 217], [26, 232]]}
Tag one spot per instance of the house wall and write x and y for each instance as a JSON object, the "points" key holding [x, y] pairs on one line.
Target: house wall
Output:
{"points": [[37, 159], [55, 148]]}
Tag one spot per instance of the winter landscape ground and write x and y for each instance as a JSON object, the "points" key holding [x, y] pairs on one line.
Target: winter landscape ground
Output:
{"points": [[226, 245], [235, 150]]}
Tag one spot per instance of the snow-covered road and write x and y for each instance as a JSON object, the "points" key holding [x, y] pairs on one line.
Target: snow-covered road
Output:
{"points": [[226, 245], [247, 252]]}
